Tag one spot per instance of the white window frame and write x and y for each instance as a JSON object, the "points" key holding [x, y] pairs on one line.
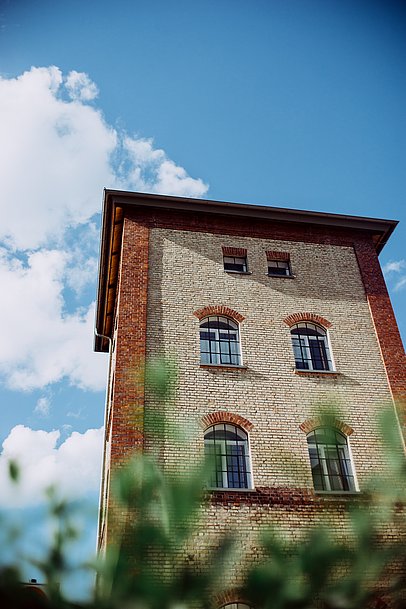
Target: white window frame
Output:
{"points": [[214, 357], [323, 459], [305, 339], [223, 443]]}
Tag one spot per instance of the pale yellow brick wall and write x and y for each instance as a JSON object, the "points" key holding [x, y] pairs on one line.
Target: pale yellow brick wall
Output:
{"points": [[185, 274]]}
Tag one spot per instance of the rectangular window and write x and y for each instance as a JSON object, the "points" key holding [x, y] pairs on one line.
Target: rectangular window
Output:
{"points": [[279, 264], [278, 267], [238, 264], [235, 259]]}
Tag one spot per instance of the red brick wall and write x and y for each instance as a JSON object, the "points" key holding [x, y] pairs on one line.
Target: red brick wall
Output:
{"points": [[127, 420], [386, 328]]}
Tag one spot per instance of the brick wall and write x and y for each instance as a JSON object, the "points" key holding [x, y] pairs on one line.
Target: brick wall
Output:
{"points": [[172, 269]]}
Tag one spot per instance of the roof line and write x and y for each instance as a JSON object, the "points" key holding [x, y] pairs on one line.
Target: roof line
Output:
{"points": [[243, 208]]}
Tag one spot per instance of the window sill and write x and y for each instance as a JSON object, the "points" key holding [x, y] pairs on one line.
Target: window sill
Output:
{"points": [[338, 493], [238, 272], [220, 489], [281, 276], [223, 367], [331, 373]]}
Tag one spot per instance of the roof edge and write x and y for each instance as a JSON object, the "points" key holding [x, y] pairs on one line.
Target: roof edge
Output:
{"points": [[120, 198]]}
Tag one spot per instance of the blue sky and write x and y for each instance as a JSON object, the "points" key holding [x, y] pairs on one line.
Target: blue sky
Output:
{"points": [[295, 103]]}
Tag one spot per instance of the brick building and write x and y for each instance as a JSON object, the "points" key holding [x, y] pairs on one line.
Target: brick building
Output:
{"points": [[268, 312]]}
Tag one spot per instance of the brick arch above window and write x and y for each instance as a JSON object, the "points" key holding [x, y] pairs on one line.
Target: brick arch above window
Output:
{"points": [[296, 318], [326, 421], [228, 597], [221, 416], [219, 310]]}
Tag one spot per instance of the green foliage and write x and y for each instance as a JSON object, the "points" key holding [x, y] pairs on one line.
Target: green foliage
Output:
{"points": [[13, 470], [154, 563]]}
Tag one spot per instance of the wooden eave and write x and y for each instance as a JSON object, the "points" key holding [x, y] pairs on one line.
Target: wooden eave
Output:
{"points": [[116, 201]]}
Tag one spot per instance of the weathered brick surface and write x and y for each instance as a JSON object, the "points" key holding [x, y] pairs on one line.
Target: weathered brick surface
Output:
{"points": [[234, 251], [225, 417], [272, 255], [291, 320], [385, 324], [125, 417], [218, 310], [186, 274], [322, 421], [171, 276]]}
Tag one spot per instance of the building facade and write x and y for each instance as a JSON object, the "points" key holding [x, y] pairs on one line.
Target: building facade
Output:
{"points": [[269, 313]]}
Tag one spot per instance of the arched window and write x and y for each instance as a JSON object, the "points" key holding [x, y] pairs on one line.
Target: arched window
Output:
{"points": [[227, 445], [236, 606], [219, 341], [330, 460], [310, 347]]}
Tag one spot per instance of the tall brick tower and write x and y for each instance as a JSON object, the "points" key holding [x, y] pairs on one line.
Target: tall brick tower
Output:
{"points": [[268, 312]]}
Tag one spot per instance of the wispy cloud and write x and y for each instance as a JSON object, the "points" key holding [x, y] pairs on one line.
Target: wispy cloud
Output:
{"points": [[395, 272], [395, 266], [43, 406]]}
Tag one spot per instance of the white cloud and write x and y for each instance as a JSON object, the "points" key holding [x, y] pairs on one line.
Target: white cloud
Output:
{"points": [[41, 343], [43, 406], [395, 266], [396, 269], [54, 159], [57, 154], [80, 87], [73, 467], [150, 170]]}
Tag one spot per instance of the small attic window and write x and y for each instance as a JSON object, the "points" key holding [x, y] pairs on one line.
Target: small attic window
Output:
{"points": [[279, 264], [235, 260]]}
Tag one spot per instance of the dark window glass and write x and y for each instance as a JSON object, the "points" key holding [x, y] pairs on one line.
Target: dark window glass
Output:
{"points": [[219, 341], [279, 267], [310, 347], [330, 460], [237, 264], [227, 446]]}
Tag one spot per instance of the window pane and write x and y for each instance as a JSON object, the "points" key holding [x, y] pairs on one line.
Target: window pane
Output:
{"points": [[278, 267], [219, 339], [235, 263], [230, 445], [310, 347], [329, 460]]}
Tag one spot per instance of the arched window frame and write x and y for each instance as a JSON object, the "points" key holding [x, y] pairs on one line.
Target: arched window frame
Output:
{"points": [[331, 461], [232, 468], [312, 352], [236, 605], [217, 347]]}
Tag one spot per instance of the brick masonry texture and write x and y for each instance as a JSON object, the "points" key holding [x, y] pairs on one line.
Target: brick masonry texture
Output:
{"points": [[171, 276], [272, 255], [326, 421], [298, 317], [225, 417], [218, 310], [234, 251]]}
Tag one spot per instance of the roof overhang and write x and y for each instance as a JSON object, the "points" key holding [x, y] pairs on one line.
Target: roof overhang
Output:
{"points": [[115, 202]]}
